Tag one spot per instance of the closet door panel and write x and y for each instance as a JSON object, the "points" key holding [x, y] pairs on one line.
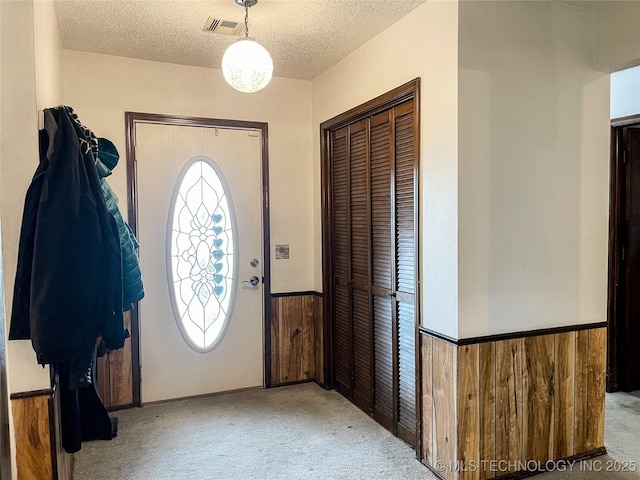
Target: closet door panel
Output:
{"points": [[381, 230], [405, 237], [343, 341], [360, 264], [406, 371], [382, 246], [359, 167], [362, 348], [383, 403], [340, 190], [341, 263], [405, 185]]}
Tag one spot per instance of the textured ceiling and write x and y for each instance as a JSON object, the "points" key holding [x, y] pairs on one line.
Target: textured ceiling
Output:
{"points": [[304, 37]]}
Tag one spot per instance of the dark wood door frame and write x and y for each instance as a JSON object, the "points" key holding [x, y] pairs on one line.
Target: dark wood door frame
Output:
{"points": [[410, 91], [616, 294], [132, 119]]}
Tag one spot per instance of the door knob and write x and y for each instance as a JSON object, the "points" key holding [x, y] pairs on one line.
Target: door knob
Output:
{"points": [[254, 281]]}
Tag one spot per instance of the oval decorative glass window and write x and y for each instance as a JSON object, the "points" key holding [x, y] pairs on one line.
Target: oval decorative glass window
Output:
{"points": [[202, 254]]}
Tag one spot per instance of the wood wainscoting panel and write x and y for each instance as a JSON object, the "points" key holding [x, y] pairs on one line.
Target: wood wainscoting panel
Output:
{"points": [[538, 395], [308, 337], [469, 411], [275, 343], [445, 418], [509, 402], [564, 410], [114, 374], [596, 379], [296, 338], [580, 395], [104, 382], [487, 420], [39, 452], [120, 365], [426, 360], [32, 427], [319, 338], [290, 339]]}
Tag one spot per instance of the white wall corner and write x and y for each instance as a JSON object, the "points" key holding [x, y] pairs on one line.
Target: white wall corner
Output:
{"points": [[533, 168]]}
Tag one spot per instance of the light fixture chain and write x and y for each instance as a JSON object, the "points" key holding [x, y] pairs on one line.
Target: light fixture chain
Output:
{"points": [[246, 20]]}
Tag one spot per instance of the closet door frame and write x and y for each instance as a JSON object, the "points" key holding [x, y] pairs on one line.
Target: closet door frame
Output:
{"points": [[409, 92]]}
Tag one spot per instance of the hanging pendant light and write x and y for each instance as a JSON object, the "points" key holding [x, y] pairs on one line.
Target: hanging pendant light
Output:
{"points": [[246, 65]]}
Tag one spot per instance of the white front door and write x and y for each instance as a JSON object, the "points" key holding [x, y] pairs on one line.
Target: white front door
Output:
{"points": [[218, 224]]}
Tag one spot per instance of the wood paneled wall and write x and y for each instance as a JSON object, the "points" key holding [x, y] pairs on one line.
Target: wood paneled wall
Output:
{"points": [[39, 453], [296, 338], [489, 407], [114, 374]]}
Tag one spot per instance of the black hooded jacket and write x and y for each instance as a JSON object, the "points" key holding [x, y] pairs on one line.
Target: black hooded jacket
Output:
{"points": [[68, 286]]}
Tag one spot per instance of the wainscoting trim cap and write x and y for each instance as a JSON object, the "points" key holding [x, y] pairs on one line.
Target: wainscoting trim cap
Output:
{"points": [[45, 392], [623, 121], [510, 336], [296, 294]]}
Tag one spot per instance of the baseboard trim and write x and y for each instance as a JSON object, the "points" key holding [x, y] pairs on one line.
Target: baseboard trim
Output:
{"points": [[321, 385], [574, 458], [120, 407], [296, 294], [529, 473], [432, 470], [296, 382], [202, 395]]}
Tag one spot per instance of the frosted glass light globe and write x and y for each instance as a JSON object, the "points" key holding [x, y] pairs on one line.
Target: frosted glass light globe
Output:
{"points": [[247, 66]]}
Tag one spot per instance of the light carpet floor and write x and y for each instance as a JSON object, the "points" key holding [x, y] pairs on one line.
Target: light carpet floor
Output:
{"points": [[297, 432], [301, 432]]}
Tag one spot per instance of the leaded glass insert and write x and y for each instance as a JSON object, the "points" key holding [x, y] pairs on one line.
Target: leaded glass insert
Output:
{"points": [[202, 259]]}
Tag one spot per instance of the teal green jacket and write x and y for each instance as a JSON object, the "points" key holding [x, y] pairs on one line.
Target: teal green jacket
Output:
{"points": [[132, 286]]}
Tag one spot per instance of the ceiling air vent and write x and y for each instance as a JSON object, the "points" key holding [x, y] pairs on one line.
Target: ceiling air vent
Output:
{"points": [[223, 27]]}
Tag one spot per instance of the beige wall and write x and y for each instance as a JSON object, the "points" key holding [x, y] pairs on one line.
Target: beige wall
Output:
{"points": [[422, 44], [101, 88], [19, 160], [533, 168], [514, 159], [618, 35], [21, 96], [48, 55]]}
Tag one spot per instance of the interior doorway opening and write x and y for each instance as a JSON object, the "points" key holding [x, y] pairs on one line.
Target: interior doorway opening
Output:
{"points": [[624, 257]]}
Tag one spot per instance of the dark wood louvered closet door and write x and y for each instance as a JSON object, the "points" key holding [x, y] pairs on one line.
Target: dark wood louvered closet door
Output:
{"points": [[382, 246], [360, 303], [405, 262], [343, 340], [373, 178]]}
